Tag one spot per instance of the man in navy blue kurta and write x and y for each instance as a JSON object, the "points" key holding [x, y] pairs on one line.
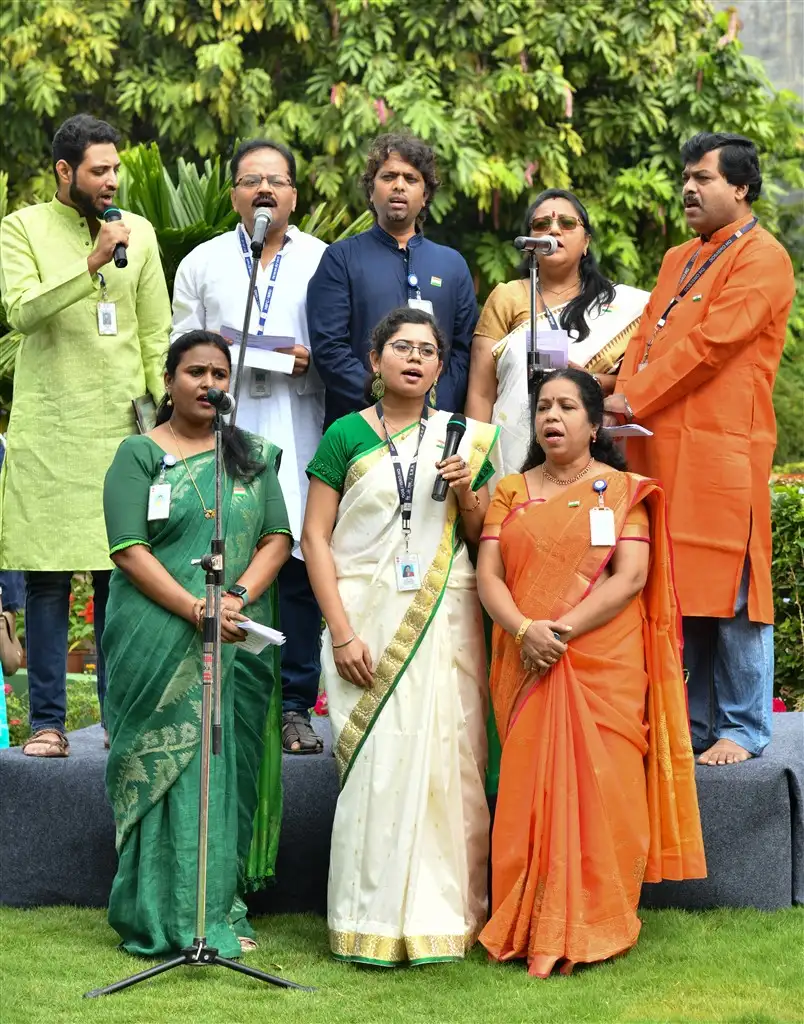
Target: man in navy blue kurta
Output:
{"points": [[361, 279]]}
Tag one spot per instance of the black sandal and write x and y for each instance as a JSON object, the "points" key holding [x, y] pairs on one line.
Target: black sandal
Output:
{"points": [[296, 728]]}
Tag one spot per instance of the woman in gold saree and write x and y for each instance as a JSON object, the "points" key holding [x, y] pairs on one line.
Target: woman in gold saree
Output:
{"points": [[403, 661], [574, 296], [597, 784]]}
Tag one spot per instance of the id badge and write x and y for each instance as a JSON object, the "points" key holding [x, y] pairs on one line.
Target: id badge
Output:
{"points": [[158, 502], [424, 304], [259, 386], [407, 572], [107, 318], [601, 528]]}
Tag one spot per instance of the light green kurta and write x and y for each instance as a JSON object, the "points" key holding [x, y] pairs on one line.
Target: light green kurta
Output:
{"points": [[72, 386]]}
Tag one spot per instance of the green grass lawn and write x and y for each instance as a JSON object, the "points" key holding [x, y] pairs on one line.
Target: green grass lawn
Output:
{"points": [[736, 966]]}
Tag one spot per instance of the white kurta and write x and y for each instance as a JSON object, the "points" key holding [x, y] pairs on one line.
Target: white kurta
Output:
{"points": [[209, 292]]}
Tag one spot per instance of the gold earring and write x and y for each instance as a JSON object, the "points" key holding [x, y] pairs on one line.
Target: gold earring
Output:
{"points": [[378, 386], [433, 394]]}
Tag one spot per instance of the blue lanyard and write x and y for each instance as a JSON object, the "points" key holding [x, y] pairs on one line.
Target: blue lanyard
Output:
{"points": [[269, 293], [696, 277], [410, 278], [404, 487]]}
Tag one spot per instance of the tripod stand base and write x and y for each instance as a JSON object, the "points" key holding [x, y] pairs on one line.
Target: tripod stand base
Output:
{"points": [[197, 955]]}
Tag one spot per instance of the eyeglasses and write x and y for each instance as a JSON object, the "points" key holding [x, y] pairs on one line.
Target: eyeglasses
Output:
{"points": [[403, 350], [255, 180], [564, 220]]}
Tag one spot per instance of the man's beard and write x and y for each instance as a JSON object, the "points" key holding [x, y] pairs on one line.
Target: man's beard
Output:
{"points": [[83, 202]]}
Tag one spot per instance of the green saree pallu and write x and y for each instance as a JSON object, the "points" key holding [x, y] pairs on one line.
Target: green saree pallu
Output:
{"points": [[153, 708]]}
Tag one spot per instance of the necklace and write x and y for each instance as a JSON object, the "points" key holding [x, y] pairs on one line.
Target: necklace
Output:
{"points": [[209, 513], [571, 480], [563, 291]]}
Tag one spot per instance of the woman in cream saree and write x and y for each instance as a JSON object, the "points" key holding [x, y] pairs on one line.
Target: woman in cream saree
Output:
{"points": [[599, 316], [410, 840], [597, 784]]}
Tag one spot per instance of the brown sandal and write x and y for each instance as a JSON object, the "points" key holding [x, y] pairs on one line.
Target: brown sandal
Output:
{"points": [[296, 728], [55, 744]]}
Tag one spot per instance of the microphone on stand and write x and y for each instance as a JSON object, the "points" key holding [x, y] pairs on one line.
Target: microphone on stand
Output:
{"points": [[456, 428], [120, 258], [544, 245], [222, 400], [262, 222]]}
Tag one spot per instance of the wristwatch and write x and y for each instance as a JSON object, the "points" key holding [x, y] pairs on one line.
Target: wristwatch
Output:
{"points": [[237, 591]]}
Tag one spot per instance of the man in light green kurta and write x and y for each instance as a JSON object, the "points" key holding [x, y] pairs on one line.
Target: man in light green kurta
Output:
{"points": [[73, 391]]}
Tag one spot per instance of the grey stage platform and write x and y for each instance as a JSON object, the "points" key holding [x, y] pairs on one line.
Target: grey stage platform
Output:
{"points": [[57, 842]]}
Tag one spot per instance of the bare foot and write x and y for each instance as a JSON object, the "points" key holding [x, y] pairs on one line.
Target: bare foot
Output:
{"points": [[246, 945], [724, 752]]}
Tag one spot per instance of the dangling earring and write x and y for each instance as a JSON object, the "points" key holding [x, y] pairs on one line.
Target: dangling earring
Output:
{"points": [[433, 397], [169, 398], [378, 386]]}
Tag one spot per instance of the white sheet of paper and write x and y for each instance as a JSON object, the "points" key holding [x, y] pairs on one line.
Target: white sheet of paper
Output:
{"points": [[261, 350], [264, 359], [628, 430], [259, 637]]}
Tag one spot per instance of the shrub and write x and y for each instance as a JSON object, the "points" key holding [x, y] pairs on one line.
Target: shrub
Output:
{"points": [[83, 709], [787, 503]]}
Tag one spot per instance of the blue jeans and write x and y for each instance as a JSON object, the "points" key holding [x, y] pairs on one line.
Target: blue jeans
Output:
{"points": [[47, 617], [300, 621], [12, 590], [730, 686]]}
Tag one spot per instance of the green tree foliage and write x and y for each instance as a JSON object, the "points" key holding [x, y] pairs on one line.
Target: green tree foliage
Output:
{"points": [[515, 95]]}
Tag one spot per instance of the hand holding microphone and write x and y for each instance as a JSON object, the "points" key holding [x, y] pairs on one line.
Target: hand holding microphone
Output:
{"points": [[454, 470], [111, 242]]}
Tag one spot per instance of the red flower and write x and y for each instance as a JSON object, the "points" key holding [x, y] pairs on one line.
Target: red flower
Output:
{"points": [[778, 704], [7, 688], [88, 613], [321, 705], [14, 721]]}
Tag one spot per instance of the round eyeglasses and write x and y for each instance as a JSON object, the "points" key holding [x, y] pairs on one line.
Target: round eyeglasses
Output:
{"points": [[404, 349]]}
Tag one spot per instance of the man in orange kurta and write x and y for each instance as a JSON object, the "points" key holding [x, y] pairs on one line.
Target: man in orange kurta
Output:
{"points": [[703, 383]]}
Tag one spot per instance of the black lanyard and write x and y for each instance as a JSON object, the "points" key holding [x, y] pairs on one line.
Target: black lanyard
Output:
{"points": [[692, 281], [404, 488], [554, 326]]}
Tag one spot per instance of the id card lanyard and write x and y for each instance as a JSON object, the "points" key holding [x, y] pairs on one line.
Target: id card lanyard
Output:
{"points": [[693, 280], [554, 325], [404, 486], [601, 519], [269, 291], [415, 301], [107, 311]]}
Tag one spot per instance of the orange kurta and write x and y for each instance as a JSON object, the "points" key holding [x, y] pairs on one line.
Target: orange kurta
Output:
{"points": [[706, 393], [597, 786]]}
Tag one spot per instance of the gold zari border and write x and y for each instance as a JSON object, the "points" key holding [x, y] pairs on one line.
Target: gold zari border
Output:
{"points": [[413, 625], [358, 945]]}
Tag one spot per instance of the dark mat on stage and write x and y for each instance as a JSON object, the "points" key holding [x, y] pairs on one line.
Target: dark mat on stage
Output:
{"points": [[57, 838]]}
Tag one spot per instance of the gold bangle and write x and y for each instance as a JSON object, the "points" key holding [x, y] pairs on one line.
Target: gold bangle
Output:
{"points": [[337, 647], [474, 507], [526, 624]]}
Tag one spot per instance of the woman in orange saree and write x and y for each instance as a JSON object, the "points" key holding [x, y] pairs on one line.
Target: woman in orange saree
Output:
{"points": [[597, 783]]}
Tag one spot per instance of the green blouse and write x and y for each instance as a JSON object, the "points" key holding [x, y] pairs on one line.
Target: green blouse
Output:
{"points": [[138, 464], [348, 439]]}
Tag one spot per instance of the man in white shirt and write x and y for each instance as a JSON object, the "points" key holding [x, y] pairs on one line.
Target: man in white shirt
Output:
{"points": [[210, 293]]}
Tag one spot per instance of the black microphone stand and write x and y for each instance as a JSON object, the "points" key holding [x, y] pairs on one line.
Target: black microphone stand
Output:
{"points": [[199, 954], [534, 359], [256, 256]]}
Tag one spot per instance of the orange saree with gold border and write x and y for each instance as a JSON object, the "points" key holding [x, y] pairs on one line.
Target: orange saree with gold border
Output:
{"points": [[597, 780]]}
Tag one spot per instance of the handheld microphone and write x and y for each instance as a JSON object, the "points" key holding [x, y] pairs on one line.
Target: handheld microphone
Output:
{"points": [[262, 222], [222, 401], [120, 258], [456, 428], [544, 245]]}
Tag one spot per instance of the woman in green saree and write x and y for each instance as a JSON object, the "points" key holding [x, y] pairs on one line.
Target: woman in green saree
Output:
{"points": [[403, 661], [157, 501]]}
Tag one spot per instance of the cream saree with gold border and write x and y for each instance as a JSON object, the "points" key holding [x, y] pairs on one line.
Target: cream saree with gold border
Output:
{"points": [[408, 867], [609, 331]]}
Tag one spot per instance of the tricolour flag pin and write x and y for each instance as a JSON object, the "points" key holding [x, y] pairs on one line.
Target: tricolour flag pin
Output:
{"points": [[435, 282], [697, 298]]}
